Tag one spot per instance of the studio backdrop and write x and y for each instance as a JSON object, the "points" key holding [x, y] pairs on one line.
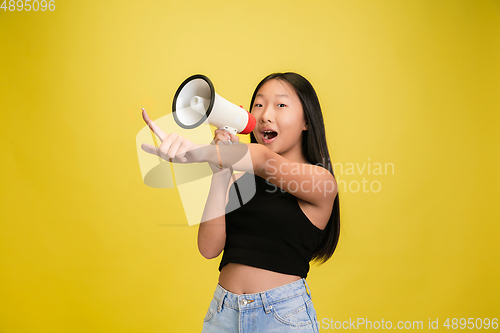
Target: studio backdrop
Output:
{"points": [[409, 93]]}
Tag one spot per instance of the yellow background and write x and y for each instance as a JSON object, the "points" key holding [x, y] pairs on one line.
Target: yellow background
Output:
{"points": [[86, 246]]}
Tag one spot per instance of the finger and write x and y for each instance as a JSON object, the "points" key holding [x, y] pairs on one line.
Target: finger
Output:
{"points": [[150, 149], [222, 131], [170, 146], [165, 145], [221, 137], [230, 136], [181, 152], [229, 139], [155, 128], [225, 140], [234, 137], [173, 150], [154, 151]]}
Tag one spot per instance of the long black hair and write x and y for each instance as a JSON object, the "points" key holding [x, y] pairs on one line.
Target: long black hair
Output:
{"points": [[315, 150]]}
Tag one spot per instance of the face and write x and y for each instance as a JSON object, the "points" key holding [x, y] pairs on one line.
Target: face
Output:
{"points": [[280, 118]]}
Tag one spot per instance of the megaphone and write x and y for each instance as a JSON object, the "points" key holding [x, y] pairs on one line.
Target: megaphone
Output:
{"points": [[196, 102]]}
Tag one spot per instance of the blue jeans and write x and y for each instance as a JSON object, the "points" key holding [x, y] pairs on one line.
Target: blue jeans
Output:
{"points": [[287, 308]]}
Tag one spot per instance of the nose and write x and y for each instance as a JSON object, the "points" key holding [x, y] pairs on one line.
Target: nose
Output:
{"points": [[267, 114]]}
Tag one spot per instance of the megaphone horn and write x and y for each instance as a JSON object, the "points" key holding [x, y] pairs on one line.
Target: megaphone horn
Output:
{"points": [[196, 102]]}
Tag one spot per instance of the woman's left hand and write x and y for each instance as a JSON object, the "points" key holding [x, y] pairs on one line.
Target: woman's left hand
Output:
{"points": [[173, 148], [225, 137]]}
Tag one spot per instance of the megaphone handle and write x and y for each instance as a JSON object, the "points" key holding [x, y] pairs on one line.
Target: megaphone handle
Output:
{"points": [[229, 129]]}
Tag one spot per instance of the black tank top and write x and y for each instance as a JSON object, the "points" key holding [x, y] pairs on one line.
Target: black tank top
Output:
{"points": [[269, 230]]}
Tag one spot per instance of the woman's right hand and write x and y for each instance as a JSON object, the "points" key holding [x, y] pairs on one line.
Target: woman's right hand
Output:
{"points": [[221, 136], [173, 148]]}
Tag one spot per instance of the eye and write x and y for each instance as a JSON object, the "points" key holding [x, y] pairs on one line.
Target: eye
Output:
{"points": [[257, 105], [281, 105]]}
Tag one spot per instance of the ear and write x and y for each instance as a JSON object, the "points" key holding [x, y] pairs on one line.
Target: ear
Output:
{"points": [[305, 127]]}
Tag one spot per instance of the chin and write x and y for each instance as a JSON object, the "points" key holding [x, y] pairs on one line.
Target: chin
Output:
{"points": [[273, 148]]}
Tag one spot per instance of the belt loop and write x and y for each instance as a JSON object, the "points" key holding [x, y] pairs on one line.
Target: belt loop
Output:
{"points": [[307, 287], [224, 293], [267, 307]]}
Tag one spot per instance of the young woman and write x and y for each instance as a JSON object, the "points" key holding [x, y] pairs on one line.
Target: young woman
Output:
{"points": [[292, 218]]}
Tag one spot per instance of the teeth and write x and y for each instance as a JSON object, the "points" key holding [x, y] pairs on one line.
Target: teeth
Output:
{"points": [[266, 134]]}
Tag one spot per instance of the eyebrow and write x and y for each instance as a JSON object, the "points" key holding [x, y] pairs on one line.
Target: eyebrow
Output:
{"points": [[279, 95]]}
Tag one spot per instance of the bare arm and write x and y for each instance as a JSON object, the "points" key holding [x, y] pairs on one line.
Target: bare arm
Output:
{"points": [[310, 183], [212, 229], [313, 184]]}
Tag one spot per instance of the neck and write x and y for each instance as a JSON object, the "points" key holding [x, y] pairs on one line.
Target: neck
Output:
{"points": [[295, 154]]}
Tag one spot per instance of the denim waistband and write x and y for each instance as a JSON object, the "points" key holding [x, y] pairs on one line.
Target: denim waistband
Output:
{"points": [[264, 298]]}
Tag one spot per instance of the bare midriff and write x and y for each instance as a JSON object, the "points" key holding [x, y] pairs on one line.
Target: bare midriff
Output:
{"points": [[242, 279]]}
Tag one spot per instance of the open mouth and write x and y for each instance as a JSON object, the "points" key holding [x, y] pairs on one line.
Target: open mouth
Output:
{"points": [[268, 135]]}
